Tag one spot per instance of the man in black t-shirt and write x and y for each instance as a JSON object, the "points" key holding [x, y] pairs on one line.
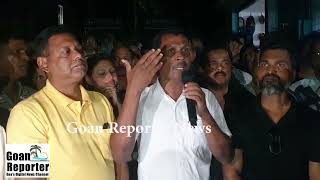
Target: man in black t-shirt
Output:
{"points": [[275, 138], [231, 95]]}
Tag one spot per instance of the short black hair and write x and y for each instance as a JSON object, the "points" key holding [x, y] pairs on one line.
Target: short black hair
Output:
{"points": [[156, 42], [118, 45], [4, 39], [40, 43], [93, 60], [212, 47], [17, 36], [246, 47], [237, 37]]}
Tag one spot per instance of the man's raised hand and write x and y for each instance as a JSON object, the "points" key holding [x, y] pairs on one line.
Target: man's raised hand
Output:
{"points": [[141, 75]]}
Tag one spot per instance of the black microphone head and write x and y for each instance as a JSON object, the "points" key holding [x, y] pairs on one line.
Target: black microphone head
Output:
{"points": [[188, 76]]}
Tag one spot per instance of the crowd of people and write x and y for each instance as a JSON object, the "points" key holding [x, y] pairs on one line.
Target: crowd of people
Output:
{"points": [[257, 107]]}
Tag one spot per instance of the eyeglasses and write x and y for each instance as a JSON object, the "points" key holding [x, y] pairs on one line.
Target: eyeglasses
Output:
{"points": [[216, 65], [275, 143], [171, 51], [279, 66]]}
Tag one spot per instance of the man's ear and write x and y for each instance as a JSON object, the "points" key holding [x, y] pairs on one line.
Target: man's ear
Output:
{"points": [[88, 80], [43, 64], [11, 58]]}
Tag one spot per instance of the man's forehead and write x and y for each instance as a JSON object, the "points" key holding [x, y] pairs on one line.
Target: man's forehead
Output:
{"points": [[16, 44], [218, 54], [122, 50], [61, 39], [276, 54], [173, 39]]}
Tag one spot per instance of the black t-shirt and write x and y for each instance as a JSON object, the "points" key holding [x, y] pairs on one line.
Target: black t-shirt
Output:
{"points": [[236, 100], [279, 151]]}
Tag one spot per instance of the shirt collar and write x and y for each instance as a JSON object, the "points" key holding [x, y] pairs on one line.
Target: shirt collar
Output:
{"points": [[160, 91], [316, 83], [4, 98], [265, 121], [313, 83], [61, 98]]}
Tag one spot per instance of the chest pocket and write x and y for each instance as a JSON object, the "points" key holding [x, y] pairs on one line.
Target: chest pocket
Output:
{"points": [[192, 139], [103, 140]]}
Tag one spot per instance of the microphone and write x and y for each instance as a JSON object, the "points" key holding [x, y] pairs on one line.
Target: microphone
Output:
{"points": [[189, 76]]}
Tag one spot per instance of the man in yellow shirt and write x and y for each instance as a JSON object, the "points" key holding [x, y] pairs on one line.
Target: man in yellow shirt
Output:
{"points": [[65, 115]]}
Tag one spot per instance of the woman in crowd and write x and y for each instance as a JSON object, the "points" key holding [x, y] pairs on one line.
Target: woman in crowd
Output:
{"points": [[102, 77]]}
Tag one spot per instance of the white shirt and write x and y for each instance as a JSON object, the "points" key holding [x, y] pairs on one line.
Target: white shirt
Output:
{"points": [[243, 77], [314, 84], [2, 151], [173, 150]]}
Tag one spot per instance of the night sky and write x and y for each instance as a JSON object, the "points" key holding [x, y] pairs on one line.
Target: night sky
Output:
{"points": [[29, 17]]}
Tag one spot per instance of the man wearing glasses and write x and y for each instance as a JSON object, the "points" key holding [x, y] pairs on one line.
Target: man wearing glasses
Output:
{"points": [[276, 138], [231, 95], [307, 90]]}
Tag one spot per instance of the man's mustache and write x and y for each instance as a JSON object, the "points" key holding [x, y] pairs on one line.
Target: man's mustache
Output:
{"points": [[271, 77], [220, 73], [181, 64]]}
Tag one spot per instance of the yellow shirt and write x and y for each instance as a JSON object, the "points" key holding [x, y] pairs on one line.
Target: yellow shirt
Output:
{"points": [[79, 147]]}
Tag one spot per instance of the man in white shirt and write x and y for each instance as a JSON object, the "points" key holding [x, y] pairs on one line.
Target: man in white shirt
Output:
{"points": [[2, 151], [172, 149], [5, 70], [307, 90]]}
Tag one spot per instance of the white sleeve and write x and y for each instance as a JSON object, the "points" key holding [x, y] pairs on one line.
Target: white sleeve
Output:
{"points": [[295, 85], [216, 111], [140, 109], [303, 82], [2, 152]]}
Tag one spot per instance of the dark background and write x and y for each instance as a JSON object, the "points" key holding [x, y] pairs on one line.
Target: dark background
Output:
{"points": [[141, 19], [128, 18]]}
